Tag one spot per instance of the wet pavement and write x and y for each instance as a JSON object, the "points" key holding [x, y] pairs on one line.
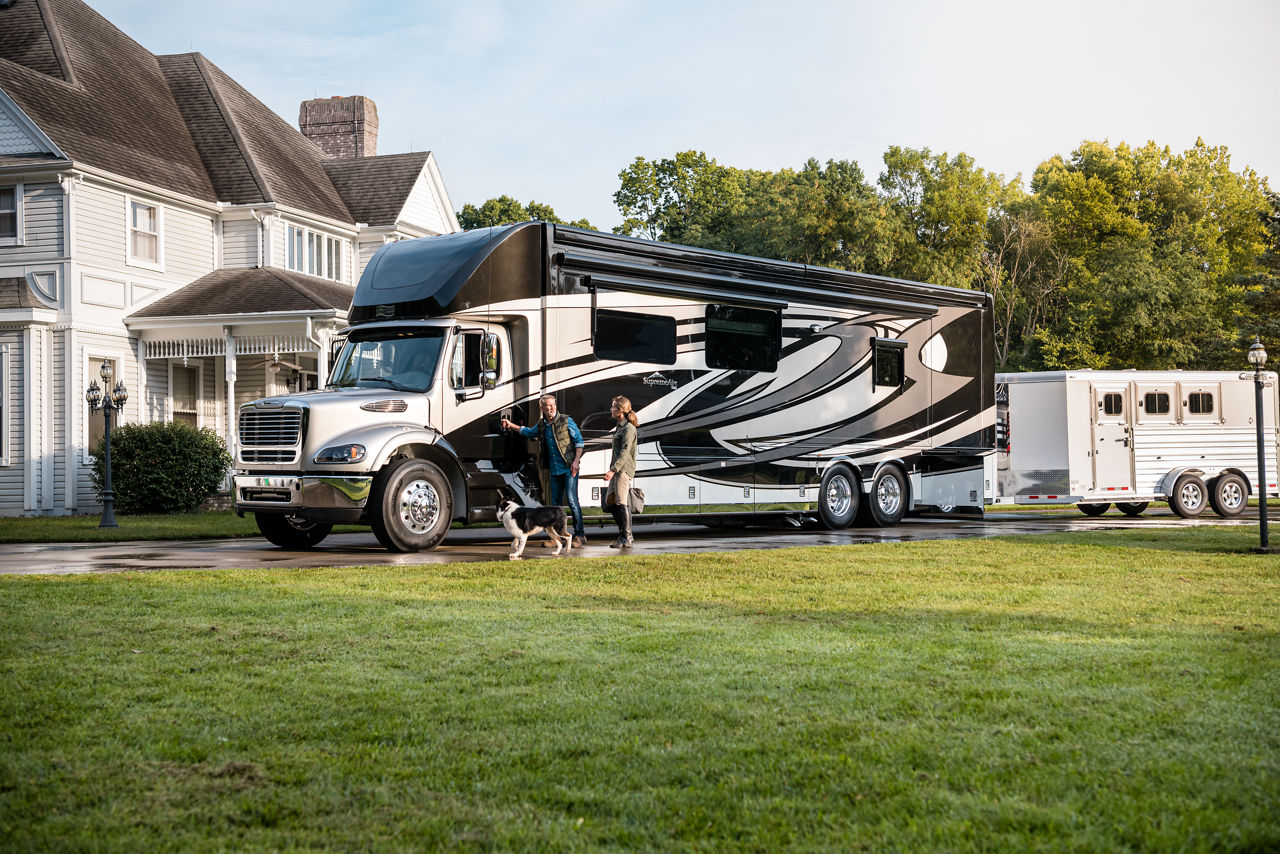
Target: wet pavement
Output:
{"points": [[478, 544]]}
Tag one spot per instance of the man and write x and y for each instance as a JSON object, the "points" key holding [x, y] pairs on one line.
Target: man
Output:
{"points": [[561, 439]]}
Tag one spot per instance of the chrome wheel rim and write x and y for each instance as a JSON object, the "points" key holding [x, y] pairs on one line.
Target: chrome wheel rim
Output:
{"points": [[888, 495], [419, 506], [1232, 495], [1192, 495], [839, 495]]}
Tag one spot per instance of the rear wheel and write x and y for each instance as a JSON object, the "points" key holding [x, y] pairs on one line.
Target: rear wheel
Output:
{"points": [[1229, 495], [411, 506], [291, 532], [838, 497], [1094, 509], [1189, 496], [1132, 508], [889, 493]]}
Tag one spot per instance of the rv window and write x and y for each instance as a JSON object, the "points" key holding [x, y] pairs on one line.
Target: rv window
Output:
{"points": [[1156, 403], [1113, 403], [887, 370], [629, 337], [1200, 403], [743, 339], [464, 370]]}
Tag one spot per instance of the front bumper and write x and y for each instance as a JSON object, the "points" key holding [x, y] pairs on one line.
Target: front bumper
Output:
{"points": [[331, 498]]}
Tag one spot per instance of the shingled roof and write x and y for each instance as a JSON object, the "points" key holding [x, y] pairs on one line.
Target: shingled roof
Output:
{"points": [[16, 293], [251, 291], [376, 188]]}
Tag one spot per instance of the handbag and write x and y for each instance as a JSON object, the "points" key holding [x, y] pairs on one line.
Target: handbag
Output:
{"points": [[635, 497]]}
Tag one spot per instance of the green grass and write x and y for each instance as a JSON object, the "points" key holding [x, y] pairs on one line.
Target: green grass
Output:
{"points": [[1105, 691], [216, 524]]}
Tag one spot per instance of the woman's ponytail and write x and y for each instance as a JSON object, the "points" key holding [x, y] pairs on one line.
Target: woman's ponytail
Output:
{"points": [[624, 406]]}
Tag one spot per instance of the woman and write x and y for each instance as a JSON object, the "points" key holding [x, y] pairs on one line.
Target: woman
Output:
{"points": [[623, 467]]}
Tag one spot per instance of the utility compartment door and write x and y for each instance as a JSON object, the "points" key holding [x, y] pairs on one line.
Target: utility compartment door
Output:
{"points": [[1112, 439]]}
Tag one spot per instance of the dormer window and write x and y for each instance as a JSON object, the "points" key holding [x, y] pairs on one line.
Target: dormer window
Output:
{"points": [[144, 233], [313, 253]]}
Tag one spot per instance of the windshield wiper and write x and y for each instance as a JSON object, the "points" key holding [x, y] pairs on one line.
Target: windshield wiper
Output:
{"points": [[395, 385]]}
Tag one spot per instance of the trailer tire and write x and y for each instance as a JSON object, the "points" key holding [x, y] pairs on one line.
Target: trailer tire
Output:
{"points": [[1132, 508], [1094, 509], [411, 506], [889, 496], [1189, 496], [1228, 495], [289, 532], [838, 497]]}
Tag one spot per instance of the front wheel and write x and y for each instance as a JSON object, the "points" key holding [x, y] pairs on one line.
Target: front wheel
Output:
{"points": [[1229, 495], [888, 496], [838, 497], [1094, 509], [1189, 497], [411, 506], [291, 532]]}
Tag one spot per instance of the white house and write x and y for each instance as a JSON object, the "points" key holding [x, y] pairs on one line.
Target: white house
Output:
{"points": [[155, 214]]}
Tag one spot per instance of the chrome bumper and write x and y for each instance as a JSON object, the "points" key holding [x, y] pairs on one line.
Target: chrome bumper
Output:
{"points": [[293, 493]]}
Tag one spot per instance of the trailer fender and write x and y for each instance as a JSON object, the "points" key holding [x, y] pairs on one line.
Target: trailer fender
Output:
{"points": [[1170, 478], [1248, 484]]}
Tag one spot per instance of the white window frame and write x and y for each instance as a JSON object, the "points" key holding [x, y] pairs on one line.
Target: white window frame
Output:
{"points": [[314, 253], [19, 229], [171, 405], [6, 406], [131, 259], [92, 365]]}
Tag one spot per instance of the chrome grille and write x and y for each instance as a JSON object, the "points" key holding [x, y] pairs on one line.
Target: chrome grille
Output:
{"points": [[268, 455], [271, 428]]}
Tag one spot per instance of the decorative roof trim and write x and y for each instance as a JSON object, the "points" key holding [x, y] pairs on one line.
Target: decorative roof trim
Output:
{"points": [[28, 124], [432, 171]]}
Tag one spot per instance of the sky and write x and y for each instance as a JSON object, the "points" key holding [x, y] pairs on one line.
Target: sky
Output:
{"points": [[548, 102]]}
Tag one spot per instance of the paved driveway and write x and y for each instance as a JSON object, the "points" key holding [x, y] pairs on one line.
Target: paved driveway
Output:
{"points": [[493, 544]]}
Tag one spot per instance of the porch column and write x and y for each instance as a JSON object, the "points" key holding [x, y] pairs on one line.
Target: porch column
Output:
{"points": [[233, 428]]}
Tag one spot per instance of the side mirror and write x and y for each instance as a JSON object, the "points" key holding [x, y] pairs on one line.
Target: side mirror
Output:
{"points": [[489, 380], [491, 354]]}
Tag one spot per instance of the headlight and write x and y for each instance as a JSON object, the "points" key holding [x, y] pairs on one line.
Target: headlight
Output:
{"points": [[341, 454]]}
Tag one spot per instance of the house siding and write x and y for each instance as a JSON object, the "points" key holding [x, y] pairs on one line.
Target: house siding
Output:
{"points": [[99, 227], [13, 476], [188, 245], [422, 208], [240, 244], [42, 221]]}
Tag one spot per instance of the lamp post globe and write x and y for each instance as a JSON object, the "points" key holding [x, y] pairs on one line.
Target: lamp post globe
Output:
{"points": [[109, 399], [1258, 359]]}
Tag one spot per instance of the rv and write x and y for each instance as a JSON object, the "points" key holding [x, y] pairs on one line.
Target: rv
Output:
{"points": [[763, 388], [1097, 438]]}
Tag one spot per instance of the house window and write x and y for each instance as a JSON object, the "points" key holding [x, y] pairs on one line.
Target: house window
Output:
{"points": [[11, 215], [97, 421], [887, 368], [186, 395], [144, 233], [743, 339], [629, 337], [313, 253], [4, 404]]}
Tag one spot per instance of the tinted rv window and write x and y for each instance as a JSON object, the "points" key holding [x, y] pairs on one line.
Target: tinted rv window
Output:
{"points": [[1156, 403], [629, 337], [1200, 403], [888, 363], [743, 339], [1113, 403]]}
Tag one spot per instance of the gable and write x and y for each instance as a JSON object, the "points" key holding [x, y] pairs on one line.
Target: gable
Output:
{"points": [[428, 205], [18, 134]]}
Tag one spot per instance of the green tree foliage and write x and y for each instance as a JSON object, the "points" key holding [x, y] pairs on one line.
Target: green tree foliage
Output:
{"points": [[1262, 295], [162, 467], [687, 199], [505, 210]]}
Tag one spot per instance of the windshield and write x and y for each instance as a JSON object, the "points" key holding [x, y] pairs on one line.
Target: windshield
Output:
{"points": [[388, 358]]}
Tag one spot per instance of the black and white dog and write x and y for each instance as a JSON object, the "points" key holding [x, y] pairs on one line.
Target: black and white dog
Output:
{"points": [[523, 522]]}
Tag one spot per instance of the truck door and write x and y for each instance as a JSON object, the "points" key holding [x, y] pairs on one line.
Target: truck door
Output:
{"points": [[1112, 439], [478, 391]]}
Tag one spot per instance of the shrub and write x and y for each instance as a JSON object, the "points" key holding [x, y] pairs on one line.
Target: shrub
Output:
{"points": [[163, 467]]}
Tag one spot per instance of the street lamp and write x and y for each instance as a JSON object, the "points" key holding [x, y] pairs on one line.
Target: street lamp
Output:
{"points": [[114, 402], [1258, 358]]}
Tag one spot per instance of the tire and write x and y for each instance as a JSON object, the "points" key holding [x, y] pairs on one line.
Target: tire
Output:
{"points": [[889, 497], [1189, 496], [1132, 508], [838, 497], [411, 506], [1093, 509], [1228, 495], [290, 532]]}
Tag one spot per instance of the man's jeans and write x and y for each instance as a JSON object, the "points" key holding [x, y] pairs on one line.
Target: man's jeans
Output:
{"points": [[560, 485]]}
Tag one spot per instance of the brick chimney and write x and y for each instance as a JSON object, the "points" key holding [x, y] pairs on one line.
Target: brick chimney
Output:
{"points": [[343, 127]]}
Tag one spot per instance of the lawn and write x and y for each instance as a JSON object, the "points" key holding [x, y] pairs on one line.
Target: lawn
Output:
{"points": [[1103, 691]]}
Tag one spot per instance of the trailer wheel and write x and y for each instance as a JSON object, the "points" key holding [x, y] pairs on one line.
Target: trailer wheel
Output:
{"points": [[1189, 496], [291, 532], [1094, 509], [838, 497], [1228, 495], [889, 493], [411, 506], [1132, 508]]}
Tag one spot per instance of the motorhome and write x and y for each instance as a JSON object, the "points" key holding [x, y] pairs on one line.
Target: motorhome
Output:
{"points": [[1128, 438], [764, 389]]}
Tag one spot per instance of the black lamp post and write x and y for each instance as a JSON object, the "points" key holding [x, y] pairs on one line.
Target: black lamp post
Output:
{"points": [[113, 402], [1258, 358]]}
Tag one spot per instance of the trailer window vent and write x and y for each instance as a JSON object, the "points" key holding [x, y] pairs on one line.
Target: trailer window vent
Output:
{"points": [[1200, 403], [1113, 403], [1156, 403]]}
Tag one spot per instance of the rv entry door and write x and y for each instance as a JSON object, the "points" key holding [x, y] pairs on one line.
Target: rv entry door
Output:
{"points": [[1112, 440]]}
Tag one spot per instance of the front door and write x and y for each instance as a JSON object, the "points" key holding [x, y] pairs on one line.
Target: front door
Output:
{"points": [[1112, 440]]}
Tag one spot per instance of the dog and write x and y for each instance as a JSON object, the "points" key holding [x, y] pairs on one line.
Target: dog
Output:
{"points": [[523, 522]]}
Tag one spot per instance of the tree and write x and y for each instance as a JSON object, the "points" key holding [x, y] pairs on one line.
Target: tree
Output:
{"points": [[505, 210], [685, 199], [1262, 298]]}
